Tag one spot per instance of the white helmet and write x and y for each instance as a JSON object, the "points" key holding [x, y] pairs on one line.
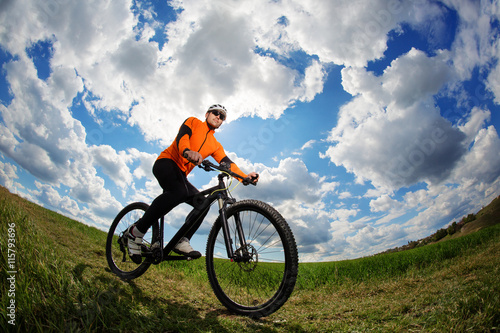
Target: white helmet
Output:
{"points": [[218, 107]]}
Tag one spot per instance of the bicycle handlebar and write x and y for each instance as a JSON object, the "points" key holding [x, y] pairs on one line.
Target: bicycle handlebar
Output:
{"points": [[209, 166]]}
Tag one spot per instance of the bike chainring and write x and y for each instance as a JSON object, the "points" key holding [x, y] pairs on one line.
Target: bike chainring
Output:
{"points": [[157, 253]]}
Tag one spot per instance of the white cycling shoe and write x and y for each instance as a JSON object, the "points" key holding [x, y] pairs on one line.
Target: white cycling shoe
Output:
{"points": [[184, 248], [134, 242]]}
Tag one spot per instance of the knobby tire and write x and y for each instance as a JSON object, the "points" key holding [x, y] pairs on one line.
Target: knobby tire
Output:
{"points": [[127, 269], [261, 285]]}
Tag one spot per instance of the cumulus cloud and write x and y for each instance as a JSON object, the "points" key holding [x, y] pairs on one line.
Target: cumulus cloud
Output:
{"points": [[113, 165], [8, 173], [208, 42], [391, 134], [40, 127], [48, 195], [473, 44], [384, 203], [296, 193], [363, 26], [40, 134], [482, 162]]}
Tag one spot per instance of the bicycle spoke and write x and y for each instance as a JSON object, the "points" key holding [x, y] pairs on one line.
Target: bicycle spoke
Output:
{"points": [[254, 282], [116, 245]]}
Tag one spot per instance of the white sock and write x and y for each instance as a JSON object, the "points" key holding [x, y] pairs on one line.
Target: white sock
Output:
{"points": [[136, 233]]}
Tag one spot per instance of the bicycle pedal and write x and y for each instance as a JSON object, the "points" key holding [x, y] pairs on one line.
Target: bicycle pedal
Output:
{"points": [[189, 258]]}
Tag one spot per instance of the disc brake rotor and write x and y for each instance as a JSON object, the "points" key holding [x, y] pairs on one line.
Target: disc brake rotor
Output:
{"points": [[248, 258]]}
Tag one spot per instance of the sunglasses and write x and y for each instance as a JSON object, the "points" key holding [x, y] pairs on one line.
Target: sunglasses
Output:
{"points": [[219, 114]]}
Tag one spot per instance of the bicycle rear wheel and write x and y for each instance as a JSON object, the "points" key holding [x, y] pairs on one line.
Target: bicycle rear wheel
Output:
{"points": [[116, 245], [262, 279]]}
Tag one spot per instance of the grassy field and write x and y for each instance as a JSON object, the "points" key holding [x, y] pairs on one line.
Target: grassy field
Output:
{"points": [[59, 280]]}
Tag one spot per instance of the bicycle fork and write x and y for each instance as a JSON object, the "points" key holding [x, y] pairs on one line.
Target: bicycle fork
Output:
{"points": [[226, 232]]}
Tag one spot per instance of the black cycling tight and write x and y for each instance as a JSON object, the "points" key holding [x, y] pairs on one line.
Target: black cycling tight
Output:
{"points": [[176, 190]]}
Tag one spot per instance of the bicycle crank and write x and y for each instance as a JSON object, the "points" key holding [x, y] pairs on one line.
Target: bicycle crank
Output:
{"points": [[154, 252], [157, 253]]}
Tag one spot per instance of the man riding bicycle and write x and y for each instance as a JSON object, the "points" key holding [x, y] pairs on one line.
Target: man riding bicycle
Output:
{"points": [[194, 142]]}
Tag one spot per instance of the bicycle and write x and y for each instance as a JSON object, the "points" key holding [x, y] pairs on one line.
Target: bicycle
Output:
{"points": [[251, 255]]}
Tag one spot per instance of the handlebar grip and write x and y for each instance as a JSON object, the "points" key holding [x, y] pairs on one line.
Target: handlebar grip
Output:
{"points": [[204, 166], [224, 167], [250, 180]]}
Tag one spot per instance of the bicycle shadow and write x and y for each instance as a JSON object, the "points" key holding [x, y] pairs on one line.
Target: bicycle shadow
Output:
{"points": [[126, 305], [120, 303]]}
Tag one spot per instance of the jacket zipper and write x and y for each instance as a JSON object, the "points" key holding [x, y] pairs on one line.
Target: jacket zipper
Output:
{"points": [[203, 143]]}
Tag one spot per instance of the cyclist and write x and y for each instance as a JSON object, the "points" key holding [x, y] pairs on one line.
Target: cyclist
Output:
{"points": [[194, 142]]}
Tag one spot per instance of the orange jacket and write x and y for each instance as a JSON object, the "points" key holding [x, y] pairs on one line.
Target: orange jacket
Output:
{"points": [[197, 136]]}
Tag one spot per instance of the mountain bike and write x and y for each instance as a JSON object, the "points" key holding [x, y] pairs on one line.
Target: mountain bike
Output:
{"points": [[251, 255]]}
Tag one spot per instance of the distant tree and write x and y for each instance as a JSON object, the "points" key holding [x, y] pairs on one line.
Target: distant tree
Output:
{"points": [[452, 228], [411, 244], [440, 234], [469, 218]]}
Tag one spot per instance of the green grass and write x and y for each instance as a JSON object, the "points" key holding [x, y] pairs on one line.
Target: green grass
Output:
{"points": [[63, 284], [393, 265]]}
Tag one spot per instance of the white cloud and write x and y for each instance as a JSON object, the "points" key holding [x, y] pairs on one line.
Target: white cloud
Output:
{"points": [[474, 122], [343, 32], [209, 42], [493, 80], [372, 240], [298, 195], [48, 195], [41, 122], [443, 204], [137, 60], [146, 162], [344, 195], [473, 44], [40, 134], [384, 203], [482, 162], [392, 153], [8, 173], [309, 144], [113, 164], [390, 134], [417, 199]]}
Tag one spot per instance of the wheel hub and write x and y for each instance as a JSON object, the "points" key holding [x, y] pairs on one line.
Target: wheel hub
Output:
{"points": [[247, 258]]}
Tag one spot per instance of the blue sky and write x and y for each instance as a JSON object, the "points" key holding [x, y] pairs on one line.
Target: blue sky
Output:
{"points": [[372, 123]]}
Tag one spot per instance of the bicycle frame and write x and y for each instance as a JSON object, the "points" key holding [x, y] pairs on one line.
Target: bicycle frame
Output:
{"points": [[202, 202], [253, 232]]}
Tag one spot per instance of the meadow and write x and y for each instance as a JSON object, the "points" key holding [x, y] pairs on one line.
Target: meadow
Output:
{"points": [[58, 280]]}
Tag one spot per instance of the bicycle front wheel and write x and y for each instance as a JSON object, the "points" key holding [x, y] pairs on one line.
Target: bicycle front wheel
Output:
{"points": [[116, 244], [262, 277]]}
